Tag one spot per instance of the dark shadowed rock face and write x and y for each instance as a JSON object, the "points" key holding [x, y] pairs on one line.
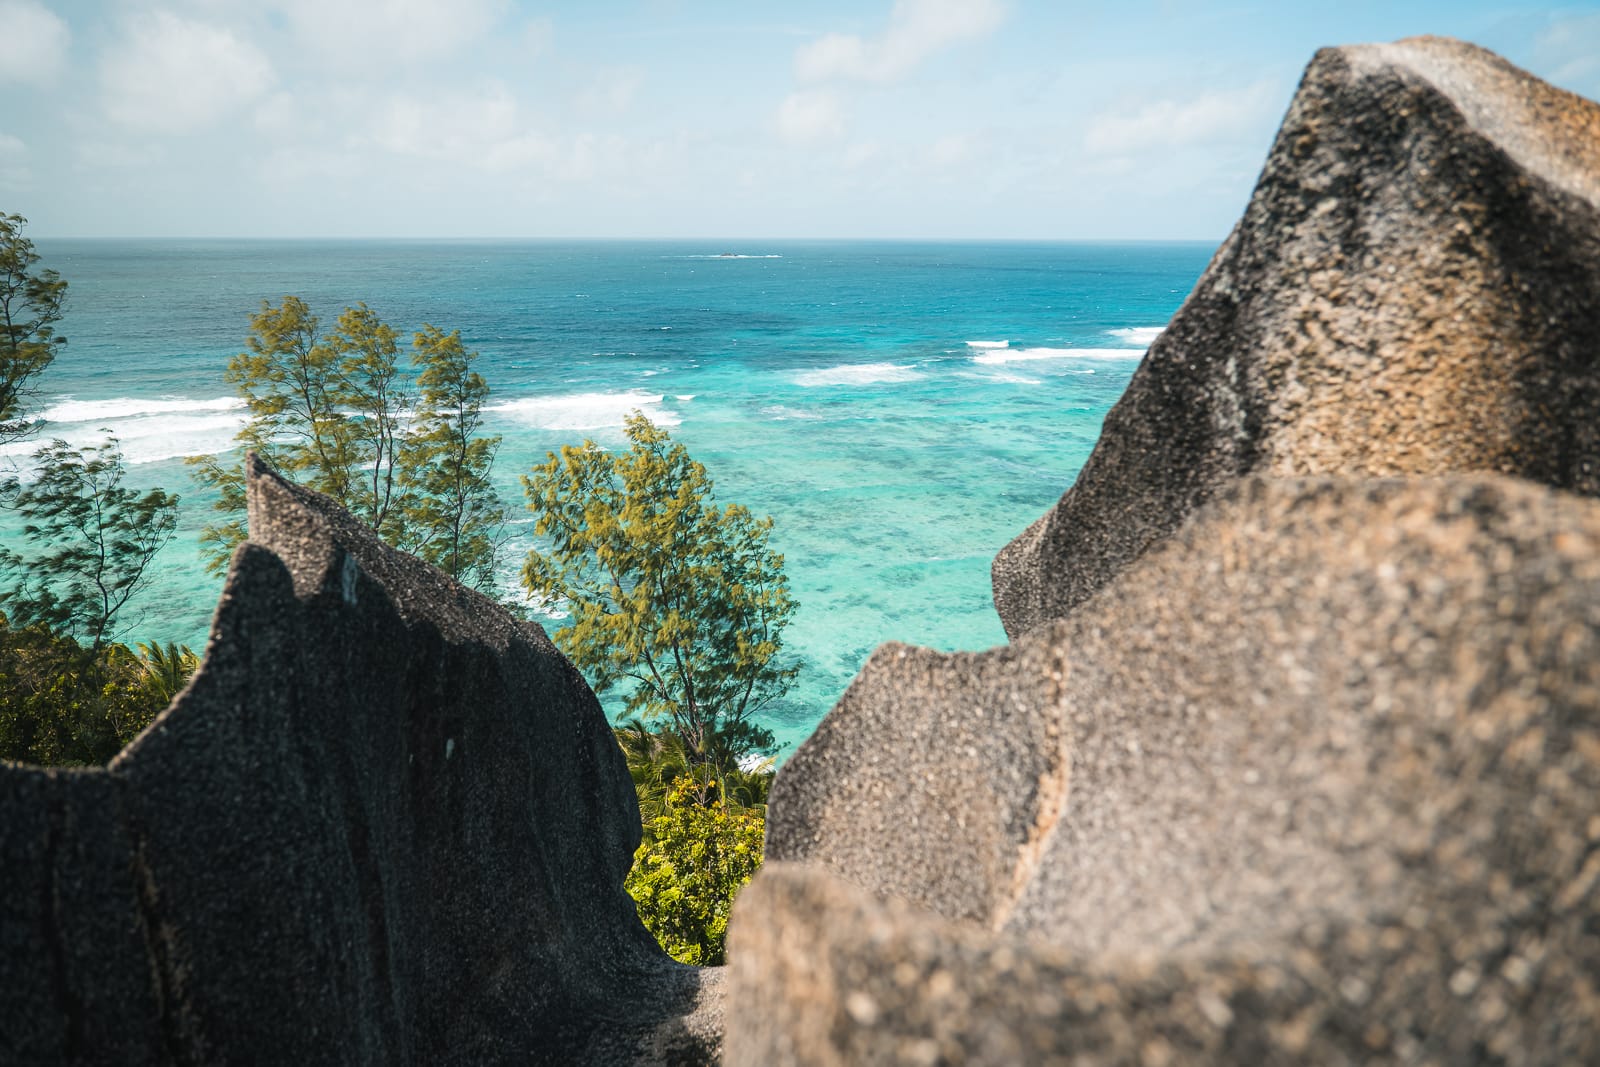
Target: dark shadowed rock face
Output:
{"points": [[1325, 788], [1413, 289], [385, 823]]}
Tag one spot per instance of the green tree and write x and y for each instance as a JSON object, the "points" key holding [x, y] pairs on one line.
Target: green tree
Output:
{"points": [[684, 879], [30, 306], [658, 762], [166, 670], [64, 705], [69, 694], [365, 448], [679, 600], [91, 542], [336, 413], [455, 518]]}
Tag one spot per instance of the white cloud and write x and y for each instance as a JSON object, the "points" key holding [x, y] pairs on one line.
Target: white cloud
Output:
{"points": [[950, 150], [809, 117], [611, 91], [1215, 116], [35, 42], [13, 161], [375, 34], [861, 154], [460, 126], [1569, 50], [917, 30], [169, 74], [487, 131], [538, 38]]}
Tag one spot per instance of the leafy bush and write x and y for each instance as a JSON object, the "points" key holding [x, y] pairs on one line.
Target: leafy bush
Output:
{"points": [[697, 856], [65, 705]]}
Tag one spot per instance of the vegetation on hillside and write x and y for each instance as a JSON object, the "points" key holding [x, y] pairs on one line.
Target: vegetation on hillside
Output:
{"points": [[70, 694], [677, 600], [336, 412]]}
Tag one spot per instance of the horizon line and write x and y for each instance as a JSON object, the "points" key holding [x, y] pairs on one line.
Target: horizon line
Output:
{"points": [[592, 238]]}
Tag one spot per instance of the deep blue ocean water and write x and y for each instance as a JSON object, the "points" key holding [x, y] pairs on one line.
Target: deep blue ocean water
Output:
{"points": [[902, 410]]}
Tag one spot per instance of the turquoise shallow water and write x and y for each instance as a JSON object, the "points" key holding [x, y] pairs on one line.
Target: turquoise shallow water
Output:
{"points": [[901, 410]]}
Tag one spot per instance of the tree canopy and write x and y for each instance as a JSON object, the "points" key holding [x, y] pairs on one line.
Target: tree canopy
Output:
{"points": [[336, 412], [698, 855], [678, 600], [30, 305], [82, 546], [90, 542]]}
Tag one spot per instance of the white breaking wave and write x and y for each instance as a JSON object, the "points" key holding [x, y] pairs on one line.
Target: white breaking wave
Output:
{"points": [[996, 356], [780, 413], [70, 410], [856, 374], [1143, 336], [147, 431], [988, 344], [586, 411]]}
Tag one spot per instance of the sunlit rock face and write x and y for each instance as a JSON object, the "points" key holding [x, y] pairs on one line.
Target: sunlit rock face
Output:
{"points": [[385, 823], [1295, 754], [1413, 289], [1319, 784]]}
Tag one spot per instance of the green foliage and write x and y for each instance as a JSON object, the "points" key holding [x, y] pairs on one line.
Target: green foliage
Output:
{"points": [[335, 413], [455, 517], [64, 705], [679, 600], [30, 306], [166, 670], [658, 762], [699, 854], [68, 693], [91, 541]]}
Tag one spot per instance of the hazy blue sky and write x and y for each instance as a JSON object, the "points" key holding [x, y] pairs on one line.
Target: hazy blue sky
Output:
{"points": [[721, 118]]}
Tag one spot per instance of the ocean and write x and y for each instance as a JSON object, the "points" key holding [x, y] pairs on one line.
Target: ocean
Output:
{"points": [[901, 410]]}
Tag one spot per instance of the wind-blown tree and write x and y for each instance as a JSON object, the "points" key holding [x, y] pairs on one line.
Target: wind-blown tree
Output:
{"points": [[80, 545], [368, 360], [61, 704], [336, 413], [91, 542], [30, 306], [455, 518], [658, 763], [678, 600], [166, 669]]}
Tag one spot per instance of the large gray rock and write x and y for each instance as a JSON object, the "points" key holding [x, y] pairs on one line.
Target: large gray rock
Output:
{"points": [[1322, 785], [1414, 288], [385, 823]]}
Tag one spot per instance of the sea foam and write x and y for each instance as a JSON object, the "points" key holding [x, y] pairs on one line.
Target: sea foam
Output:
{"points": [[856, 374], [996, 356], [1143, 336], [67, 409], [147, 430], [585, 411]]}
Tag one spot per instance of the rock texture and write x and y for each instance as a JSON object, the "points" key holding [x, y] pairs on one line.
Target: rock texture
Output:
{"points": [[1413, 289], [1326, 789], [1295, 754], [385, 823]]}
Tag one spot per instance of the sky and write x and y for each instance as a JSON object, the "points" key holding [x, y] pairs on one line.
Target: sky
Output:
{"points": [[918, 119]]}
